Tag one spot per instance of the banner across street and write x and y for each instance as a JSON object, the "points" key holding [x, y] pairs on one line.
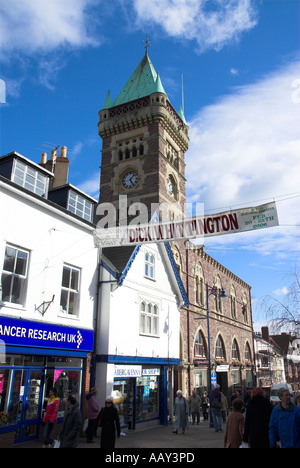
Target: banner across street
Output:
{"points": [[227, 222]]}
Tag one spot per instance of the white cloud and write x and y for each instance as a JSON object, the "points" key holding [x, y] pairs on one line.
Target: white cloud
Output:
{"points": [[40, 26], [211, 24], [281, 292], [245, 149]]}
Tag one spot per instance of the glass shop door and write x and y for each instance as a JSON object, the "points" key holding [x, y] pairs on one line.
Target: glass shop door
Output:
{"points": [[27, 386]]}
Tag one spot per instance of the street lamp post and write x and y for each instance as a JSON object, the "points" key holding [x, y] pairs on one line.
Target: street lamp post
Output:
{"points": [[214, 291]]}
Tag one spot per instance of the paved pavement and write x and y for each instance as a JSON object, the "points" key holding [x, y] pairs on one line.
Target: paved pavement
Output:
{"points": [[196, 436]]}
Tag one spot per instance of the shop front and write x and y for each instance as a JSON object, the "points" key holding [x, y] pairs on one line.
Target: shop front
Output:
{"points": [[35, 357], [141, 394]]}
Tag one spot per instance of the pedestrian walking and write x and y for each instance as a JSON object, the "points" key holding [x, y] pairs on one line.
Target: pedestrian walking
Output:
{"points": [[224, 409], [194, 405], [257, 419], [92, 415], [205, 405], [50, 417], [285, 422], [110, 423], [181, 411], [215, 402], [235, 425], [71, 425]]}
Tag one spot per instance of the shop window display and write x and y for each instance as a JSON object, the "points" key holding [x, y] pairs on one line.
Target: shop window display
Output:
{"points": [[147, 398], [66, 382], [6, 417]]}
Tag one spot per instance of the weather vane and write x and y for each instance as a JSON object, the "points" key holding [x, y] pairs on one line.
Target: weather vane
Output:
{"points": [[146, 44]]}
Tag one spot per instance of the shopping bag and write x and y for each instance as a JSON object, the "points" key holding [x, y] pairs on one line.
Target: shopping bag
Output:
{"points": [[85, 425]]}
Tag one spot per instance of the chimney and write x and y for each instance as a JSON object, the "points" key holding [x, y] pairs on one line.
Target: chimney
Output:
{"points": [[265, 333], [43, 159], [49, 165], [61, 168]]}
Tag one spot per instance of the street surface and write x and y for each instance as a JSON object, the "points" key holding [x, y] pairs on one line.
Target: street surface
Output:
{"points": [[197, 436]]}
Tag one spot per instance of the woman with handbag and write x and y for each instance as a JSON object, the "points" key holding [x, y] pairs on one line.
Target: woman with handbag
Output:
{"points": [[110, 423], [50, 417]]}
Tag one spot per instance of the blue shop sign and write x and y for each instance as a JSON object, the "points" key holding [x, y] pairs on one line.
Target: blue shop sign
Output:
{"points": [[18, 332]]}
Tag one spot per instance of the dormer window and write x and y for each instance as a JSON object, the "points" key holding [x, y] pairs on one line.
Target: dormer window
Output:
{"points": [[80, 206], [29, 178]]}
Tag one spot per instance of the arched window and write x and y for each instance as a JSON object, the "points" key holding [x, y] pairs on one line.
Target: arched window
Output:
{"points": [[245, 308], [149, 265], [235, 354], [233, 302], [200, 348], [199, 284], [149, 316], [220, 349], [247, 352], [218, 300]]}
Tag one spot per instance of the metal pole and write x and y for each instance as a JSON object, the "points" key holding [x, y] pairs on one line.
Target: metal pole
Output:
{"points": [[208, 339]]}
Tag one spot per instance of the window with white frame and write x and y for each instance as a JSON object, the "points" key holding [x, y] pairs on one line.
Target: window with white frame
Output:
{"points": [[80, 206], [200, 349], [220, 349], [14, 275], [29, 178], [149, 265], [69, 298], [149, 318], [235, 351]]}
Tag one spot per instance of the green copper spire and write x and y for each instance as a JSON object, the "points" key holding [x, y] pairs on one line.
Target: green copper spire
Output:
{"points": [[181, 115], [108, 101], [143, 82]]}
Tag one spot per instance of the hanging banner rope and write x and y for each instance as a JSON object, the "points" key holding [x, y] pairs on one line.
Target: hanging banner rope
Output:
{"points": [[227, 222]]}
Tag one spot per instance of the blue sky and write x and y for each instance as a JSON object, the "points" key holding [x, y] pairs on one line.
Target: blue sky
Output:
{"points": [[241, 75]]}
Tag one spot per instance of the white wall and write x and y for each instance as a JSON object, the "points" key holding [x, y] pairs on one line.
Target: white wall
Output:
{"points": [[52, 239], [119, 317]]}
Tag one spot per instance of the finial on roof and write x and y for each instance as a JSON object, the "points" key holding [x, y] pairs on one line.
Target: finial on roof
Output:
{"points": [[147, 44]]}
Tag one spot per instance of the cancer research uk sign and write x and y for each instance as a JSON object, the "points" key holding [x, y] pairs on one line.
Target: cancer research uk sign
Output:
{"points": [[227, 222], [16, 332]]}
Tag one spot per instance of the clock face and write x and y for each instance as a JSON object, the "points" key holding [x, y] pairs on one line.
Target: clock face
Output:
{"points": [[170, 186], [130, 179]]}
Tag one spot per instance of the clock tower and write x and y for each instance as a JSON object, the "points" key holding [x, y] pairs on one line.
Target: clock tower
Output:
{"points": [[144, 145]]}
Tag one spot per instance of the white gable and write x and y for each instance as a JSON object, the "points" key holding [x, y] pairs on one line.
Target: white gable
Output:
{"points": [[122, 313]]}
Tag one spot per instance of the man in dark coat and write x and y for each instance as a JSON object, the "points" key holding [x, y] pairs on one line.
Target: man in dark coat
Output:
{"points": [[258, 415], [71, 425], [109, 420]]}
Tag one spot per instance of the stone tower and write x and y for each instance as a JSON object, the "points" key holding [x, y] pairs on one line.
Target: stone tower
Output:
{"points": [[144, 145]]}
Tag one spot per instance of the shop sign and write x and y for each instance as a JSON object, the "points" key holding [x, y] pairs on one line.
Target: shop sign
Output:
{"points": [[151, 371], [18, 332], [222, 368], [123, 371]]}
